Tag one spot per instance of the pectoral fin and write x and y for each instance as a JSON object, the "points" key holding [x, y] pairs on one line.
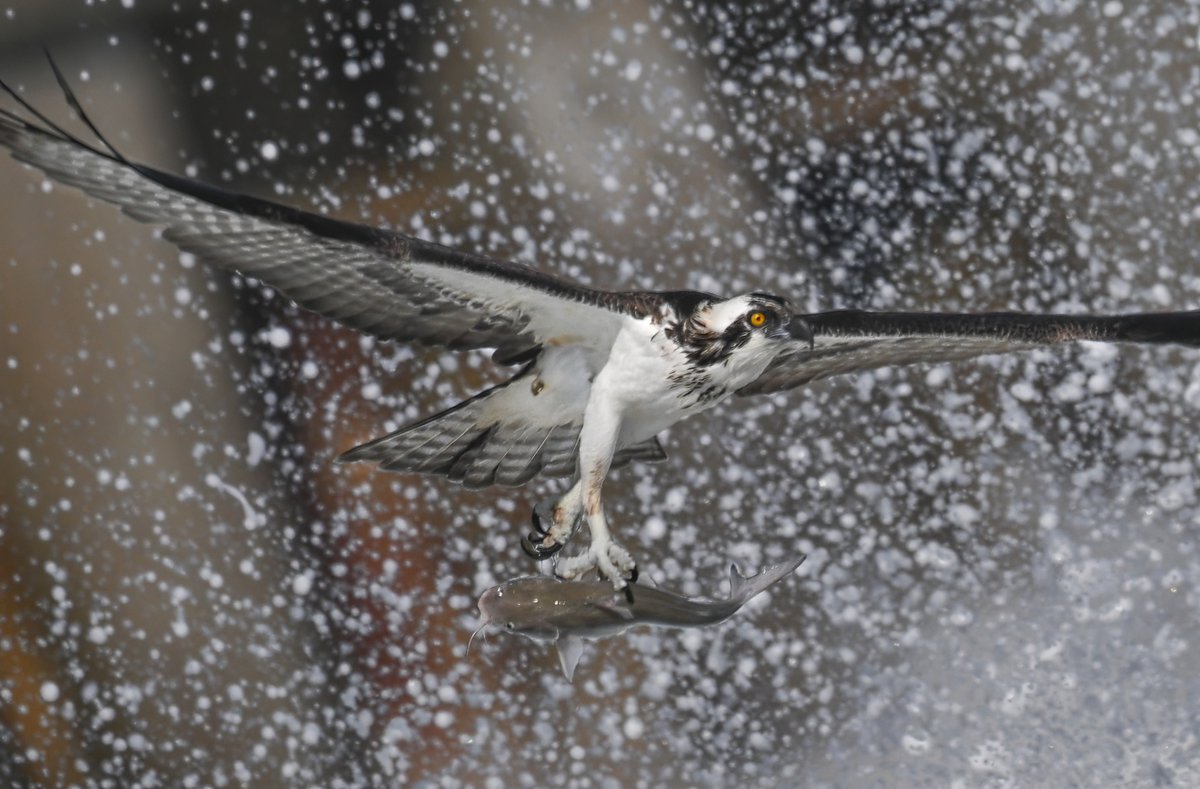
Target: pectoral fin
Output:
{"points": [[570, 648]]}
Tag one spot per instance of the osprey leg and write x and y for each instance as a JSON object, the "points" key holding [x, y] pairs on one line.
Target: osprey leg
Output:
{"points": [[596, 444]]}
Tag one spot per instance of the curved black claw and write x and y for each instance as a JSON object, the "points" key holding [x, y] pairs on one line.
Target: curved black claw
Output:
{"points": [[534, 547], [542, 516], [538, 528]]}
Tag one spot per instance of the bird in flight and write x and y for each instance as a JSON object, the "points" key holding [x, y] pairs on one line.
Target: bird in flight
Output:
{"points": [[599, 373]]}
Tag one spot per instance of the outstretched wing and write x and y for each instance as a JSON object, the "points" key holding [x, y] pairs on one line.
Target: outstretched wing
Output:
{"points": [[847, 341], [380, 282]]}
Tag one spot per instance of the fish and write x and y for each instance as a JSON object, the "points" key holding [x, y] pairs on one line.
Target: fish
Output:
{"points": [[545, 608]]}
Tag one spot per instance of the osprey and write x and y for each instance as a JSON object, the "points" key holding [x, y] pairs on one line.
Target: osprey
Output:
{"points": [[601, 372]]}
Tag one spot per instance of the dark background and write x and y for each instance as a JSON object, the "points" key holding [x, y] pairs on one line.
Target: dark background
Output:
{"points": [[1001, 586]]}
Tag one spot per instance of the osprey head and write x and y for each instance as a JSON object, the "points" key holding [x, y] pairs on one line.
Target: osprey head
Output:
{"points": [[717, 330], [746, 315]]}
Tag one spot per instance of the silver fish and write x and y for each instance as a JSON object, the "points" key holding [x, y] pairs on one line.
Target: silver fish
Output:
{"points": [[545, 608]]}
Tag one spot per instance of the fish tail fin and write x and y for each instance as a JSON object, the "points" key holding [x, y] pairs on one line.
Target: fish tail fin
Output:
{"points": [[742, 588]]}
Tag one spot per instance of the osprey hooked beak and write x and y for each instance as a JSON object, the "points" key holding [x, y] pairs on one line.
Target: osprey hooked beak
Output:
{"points": [[799, 329]]}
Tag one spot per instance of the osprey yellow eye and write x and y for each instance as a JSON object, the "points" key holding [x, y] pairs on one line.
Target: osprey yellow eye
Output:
{"points": [[758, 318]]}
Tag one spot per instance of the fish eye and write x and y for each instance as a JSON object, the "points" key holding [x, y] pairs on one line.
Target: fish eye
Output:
{"points": [[757, 319], [508, 625]]}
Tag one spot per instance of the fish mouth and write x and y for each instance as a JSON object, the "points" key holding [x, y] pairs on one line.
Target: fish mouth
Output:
{"points": [[487, 621]]}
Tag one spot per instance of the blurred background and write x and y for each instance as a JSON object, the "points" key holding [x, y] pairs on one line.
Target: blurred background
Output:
{"points": [[1002, 582]]}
